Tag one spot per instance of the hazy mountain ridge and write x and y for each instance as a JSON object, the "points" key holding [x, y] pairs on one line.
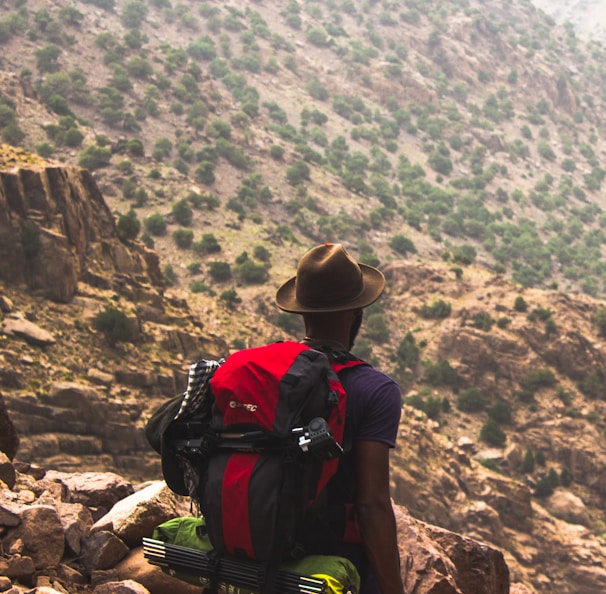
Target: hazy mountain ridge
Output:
{"points": [[586, 16]]}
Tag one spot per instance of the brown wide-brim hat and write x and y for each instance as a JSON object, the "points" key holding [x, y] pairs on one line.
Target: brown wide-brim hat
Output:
{"points": [[329, 280]]}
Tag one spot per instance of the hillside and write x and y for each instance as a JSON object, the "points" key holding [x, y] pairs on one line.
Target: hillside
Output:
{"points": [[456, 145], [464, 130]]}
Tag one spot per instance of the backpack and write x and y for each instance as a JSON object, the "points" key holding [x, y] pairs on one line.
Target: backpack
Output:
{"points": [[259, 447]]}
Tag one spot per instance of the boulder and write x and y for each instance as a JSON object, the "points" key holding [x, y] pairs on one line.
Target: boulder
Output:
{"points": [[568, 507], [136, 567], [28, 331], [76, 520], [39, 535], [102, 550], [94, 489], [125, 587], [137, 515]]}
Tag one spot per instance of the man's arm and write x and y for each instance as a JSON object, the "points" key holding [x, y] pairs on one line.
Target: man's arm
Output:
{"points": [[375, 514]]}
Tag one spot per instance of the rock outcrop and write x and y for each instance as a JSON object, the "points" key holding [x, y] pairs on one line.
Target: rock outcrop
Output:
{"points": [[57, 230]]}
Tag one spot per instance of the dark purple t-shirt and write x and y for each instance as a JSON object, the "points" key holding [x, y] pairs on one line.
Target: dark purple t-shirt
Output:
{"points": [[374, 405]]}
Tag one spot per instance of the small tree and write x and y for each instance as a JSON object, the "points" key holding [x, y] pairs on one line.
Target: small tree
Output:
{"points": [[219, 271], [182, 212], [183, 238], [492, 434], [402, 245], [128, 226], [94, 157], [155, 224], [471, 400], [520, 304], [600, 321], [114, 325], [231, 298]]}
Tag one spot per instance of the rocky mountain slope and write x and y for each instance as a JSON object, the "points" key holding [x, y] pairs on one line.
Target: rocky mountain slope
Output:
{"points": [[464, 129]]}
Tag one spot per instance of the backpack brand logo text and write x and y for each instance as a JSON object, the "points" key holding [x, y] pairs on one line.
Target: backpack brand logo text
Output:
{"points": [[248, 407]]}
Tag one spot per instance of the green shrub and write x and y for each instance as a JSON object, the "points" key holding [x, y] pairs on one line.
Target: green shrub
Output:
{"points": [[407, 352], [47, 58], [155, 224], [230, 298], [200, 287], [251, 273], [297, 173], [289, 323], [492, 434], [219, 271], [128, 226], [182, 212], [539, 378], [599, 320], [133, 14], [135, 147], [440, 373], [432, 407], [260, 252], [440, 161], [528, 463], [207, 245], [376, 327], [169, 274], [402, 245], [439, 309], [276, 152], [114, 325], [483, 321], [593, 386], [471, 400], [500, 412], [317, 90], [520, 304], [183, 238], [546, 484], [94, 157], [463, 254]]}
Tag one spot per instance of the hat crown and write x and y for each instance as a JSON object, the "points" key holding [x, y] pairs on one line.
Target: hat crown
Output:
{"points": [[328, 276], [329, 280]]}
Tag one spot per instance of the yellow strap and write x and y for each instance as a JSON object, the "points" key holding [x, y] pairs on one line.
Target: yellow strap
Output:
{"points": [[334, 585]]}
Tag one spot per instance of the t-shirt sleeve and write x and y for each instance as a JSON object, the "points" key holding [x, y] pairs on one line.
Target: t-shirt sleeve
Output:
{"points": [[374, 405]]}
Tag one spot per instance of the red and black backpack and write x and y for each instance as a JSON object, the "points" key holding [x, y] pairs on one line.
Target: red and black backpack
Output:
{"points": [[259, 447]]}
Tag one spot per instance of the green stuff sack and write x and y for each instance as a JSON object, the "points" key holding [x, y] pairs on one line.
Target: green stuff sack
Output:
{"points": [[339, 573]]}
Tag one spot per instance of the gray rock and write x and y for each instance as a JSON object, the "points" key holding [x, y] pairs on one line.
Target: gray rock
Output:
{"points": [[39, 536], [28, 331], [125, 587], [102, 550]]}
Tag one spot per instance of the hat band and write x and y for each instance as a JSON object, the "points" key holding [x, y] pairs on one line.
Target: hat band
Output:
{"points": [[326, 300]]}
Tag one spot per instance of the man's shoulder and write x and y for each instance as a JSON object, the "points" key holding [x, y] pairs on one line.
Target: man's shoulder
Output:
{"points": [[365, 376]]}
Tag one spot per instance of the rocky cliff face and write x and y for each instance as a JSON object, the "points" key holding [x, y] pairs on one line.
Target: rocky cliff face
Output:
{"points": [[74, 398], [56, 230]]}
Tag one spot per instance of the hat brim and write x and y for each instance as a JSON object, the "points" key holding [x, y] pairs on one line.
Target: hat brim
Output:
{"points": [[374, 284]]}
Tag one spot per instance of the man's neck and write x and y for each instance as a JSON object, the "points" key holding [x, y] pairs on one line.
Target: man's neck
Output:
{"points": [[328, 342]]}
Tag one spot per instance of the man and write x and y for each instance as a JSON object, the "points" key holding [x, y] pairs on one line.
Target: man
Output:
{"points": [[330, 291]]}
